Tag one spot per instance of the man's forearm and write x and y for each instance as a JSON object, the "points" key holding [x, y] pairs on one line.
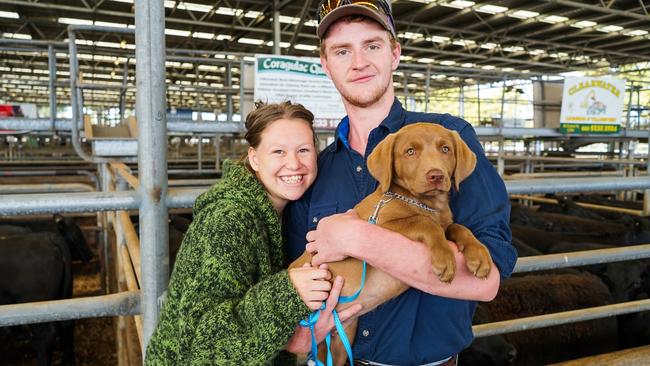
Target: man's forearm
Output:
{"points": [[410, 262]]}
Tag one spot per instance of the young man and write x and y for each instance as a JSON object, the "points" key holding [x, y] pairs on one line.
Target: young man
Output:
{"points": [[431, 322]]}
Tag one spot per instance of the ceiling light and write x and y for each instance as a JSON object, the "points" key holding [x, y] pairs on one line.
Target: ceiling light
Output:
{"points": [[584, 24], [635, 32], [222, 37], [9, 14], [177, 32], [508, 69], [17, 35], [252, 14], [488, 45], [464, 42], [425, 60], [438, 39], [193, 7], [75, 21], [447, 62], [468, 65], [459, 4], [288, 20], [202, 35], [554, 19], [305, 47], [410, 35], [228, 11], [513, 49], [523, 14], [609, 28], [488, 67], [282, 44], [491, 9], [109, 24], [257, 42]]}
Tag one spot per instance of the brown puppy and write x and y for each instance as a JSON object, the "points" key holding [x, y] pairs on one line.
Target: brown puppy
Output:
{"points": [[419, 163]]}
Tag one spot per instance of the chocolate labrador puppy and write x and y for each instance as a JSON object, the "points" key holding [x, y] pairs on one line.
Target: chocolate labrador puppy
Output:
{"points": [[416, 168]]}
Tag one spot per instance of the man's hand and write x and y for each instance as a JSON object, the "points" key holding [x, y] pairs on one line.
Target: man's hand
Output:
{"points": [[301, 340], [334, 237]]}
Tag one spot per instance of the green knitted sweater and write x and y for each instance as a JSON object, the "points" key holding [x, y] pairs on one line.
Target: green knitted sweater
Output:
{"points": [[229, 302]]}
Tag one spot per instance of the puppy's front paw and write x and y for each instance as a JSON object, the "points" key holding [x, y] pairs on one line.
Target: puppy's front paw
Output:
{"points": [[444, 265], [478, 260]]}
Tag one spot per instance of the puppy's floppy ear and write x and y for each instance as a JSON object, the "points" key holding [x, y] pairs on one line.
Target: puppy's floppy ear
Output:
{"points": [[465, 160], [380, 162]]}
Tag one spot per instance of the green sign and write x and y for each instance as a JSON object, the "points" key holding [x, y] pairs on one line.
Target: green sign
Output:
{"points": [[589, 128], [266, 64]]}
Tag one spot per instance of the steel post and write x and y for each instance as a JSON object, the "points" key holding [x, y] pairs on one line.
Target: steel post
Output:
{"points": [[646, 193], [200, 154], [427, 85], [51, 59], [229, 103], [76, 100], [277, 34], [152, 157]]}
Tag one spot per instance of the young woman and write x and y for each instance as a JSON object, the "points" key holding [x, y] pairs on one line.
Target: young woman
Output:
{"points": [[230, 302]]}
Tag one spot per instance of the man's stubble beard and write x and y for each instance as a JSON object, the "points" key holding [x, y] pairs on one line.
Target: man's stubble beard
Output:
{"points": [[374, 98]]}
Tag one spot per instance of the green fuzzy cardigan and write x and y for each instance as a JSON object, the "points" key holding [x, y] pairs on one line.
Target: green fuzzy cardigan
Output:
{"points": [[229, 302]]}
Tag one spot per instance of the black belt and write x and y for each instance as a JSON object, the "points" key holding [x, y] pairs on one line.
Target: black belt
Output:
{"points": [[450, 362]]}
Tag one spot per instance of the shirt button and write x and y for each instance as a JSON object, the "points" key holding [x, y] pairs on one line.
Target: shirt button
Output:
{"points": [[359, 168], [314, 220], [365, 332]]}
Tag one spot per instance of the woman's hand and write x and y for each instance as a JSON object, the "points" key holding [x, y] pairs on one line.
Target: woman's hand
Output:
{"points": [[312, 284], [301, 340]]}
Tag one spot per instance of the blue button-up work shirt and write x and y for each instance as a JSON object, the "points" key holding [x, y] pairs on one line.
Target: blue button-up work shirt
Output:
{"points": [[415, 328]]}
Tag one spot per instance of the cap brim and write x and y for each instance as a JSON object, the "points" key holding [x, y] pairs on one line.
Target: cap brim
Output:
{"points": [[352, 9]]}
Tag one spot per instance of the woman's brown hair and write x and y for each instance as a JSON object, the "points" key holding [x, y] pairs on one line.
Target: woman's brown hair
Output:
{"points": [[265, 114]]}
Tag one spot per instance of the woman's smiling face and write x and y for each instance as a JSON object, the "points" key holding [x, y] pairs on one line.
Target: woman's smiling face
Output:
{"points": [[285, 160]]}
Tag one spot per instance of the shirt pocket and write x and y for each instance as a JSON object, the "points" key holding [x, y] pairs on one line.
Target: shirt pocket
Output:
{"points": [[319, 211]]}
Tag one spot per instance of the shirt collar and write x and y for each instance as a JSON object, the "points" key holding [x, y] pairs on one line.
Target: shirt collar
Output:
{"points": [[392, 123]]}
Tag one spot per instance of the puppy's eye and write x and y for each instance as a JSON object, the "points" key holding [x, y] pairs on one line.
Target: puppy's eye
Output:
{"points": [[445, 149], [410, 151]]}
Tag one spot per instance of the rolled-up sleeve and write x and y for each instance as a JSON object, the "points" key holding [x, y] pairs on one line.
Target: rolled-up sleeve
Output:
{"points": [[483, 206]]}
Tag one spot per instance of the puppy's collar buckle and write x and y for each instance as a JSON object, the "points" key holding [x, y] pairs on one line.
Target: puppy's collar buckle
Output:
{"points": [[382, 202], [410, 201]]}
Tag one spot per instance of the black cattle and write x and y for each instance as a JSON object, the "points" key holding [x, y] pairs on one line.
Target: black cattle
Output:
{"points": [[627, 281], [37, 266], [538, 294], [565, 223], [523, 249], [637, 229], [487, 351], [542, 240], [11, 230]]}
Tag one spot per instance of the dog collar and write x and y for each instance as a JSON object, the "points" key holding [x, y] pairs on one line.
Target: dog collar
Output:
{"points": [[410, 201], [373, 218]]}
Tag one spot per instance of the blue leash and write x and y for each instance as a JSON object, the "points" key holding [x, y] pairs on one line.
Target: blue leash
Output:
{"points": [[313, 318]]}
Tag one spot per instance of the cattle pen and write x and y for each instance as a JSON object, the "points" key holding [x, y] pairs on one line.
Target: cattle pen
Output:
{"points": [[138, 260]]}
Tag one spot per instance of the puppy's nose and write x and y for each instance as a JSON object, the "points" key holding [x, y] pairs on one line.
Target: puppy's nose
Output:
{"points": [[435, 176]]}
